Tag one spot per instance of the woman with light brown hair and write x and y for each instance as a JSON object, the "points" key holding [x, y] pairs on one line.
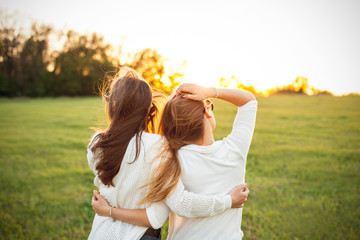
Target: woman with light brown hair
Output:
{"points": [[206, 166], [123, 156]]}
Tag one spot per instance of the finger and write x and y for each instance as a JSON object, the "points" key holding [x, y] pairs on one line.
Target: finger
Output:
{"points": [[190, 96], [244, 195], [179, 92], [185, 88], [242, 205], [97, 194], [95, 197], [94, 203], [241, 188]]}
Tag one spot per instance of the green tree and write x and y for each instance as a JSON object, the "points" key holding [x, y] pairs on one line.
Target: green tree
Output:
{"points": [[81, 64], [233, 81], [299, 86], [150, 64], [34, 59], [10, 44], [28, 67]]}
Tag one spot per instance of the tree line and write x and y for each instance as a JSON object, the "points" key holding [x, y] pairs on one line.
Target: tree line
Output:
{"points": [[30, 66], [300, 86]]}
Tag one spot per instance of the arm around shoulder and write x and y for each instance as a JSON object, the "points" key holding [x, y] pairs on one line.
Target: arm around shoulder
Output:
{"points": [[134, 216], [189, 204]]}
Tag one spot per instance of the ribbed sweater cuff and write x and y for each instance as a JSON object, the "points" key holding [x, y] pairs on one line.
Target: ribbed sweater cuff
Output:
{"points": [[228, 202]]}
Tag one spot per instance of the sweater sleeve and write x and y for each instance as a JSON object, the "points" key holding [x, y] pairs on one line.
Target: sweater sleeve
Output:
{"points": [[187, 204], [243, 128], [92, 159], [90, 155]]}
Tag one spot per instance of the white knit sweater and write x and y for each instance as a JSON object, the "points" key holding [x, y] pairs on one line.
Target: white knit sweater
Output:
{"points": [[126, 193], [216, 169]]}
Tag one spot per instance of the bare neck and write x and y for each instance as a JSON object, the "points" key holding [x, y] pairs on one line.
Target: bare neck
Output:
{"points": [[207, 138]]}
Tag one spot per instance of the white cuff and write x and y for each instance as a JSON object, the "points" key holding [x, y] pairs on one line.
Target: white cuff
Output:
{"points": [[228, 201], [152, 218]]}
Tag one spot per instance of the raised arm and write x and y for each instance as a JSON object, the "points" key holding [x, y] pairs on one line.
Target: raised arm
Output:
{"points": [[244, 123], [193, 91]]}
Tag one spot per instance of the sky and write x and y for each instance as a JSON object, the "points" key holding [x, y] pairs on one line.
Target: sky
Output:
{"points": [[264, 43]]}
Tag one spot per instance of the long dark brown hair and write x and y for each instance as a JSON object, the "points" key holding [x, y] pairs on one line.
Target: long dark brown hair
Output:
{"points": [[130, 111], [182, 123]]}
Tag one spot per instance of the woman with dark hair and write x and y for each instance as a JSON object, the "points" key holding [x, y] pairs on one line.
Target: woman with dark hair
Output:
{"points": [[122, 158], [206, 166]]}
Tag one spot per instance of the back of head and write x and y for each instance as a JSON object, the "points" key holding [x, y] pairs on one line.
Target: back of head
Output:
{"points": [[182, 123], [129, 98], [129, 109]]}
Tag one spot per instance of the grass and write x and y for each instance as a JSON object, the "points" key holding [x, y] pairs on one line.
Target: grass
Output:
{"points": [[302, 170]]}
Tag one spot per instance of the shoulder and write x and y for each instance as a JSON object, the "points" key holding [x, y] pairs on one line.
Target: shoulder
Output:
{"points": [[94, 139], [152, 145], [149, 142], [91, 156], [149, 139], [151, 136]]}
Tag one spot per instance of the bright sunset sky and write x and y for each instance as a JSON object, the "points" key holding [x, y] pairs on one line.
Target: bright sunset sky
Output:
{"points": [[265, 43]]}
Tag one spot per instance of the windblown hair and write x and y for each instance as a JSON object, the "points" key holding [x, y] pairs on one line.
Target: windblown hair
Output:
{"points": [[182, 123], [130, 111]]}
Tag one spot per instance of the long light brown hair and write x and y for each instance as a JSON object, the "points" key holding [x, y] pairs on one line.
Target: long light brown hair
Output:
{"points": [[182, 123], [130, 111]]}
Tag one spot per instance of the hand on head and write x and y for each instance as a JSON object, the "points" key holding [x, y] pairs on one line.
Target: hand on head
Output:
{"points": [[239, 196], [195, 92]]}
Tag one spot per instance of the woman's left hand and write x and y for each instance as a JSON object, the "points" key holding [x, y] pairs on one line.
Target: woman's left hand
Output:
{"points": [[100, 205], [239, 196]]}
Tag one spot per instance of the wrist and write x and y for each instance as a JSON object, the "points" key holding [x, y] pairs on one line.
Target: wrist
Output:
{"points": [[110, 213], [213, 92]]}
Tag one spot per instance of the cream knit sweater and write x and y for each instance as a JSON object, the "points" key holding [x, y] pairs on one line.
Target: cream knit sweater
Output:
{"points": [[126, 193]]}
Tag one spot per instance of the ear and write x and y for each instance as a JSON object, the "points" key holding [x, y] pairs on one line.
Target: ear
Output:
{"points": [[208, 112]]}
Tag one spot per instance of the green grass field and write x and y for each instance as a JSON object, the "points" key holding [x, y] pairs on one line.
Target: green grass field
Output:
{"points": [[303, 167]]}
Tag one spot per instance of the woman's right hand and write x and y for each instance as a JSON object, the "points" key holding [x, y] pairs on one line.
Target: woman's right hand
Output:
{"points": [[100, 205], [239, 196], [196, 92]]}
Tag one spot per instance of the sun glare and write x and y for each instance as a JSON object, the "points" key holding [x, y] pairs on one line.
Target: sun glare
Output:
{"points": [[257, 42]]}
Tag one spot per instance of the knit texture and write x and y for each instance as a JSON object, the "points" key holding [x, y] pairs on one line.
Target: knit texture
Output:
{"points": [[127, 193], [216, 169]]}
